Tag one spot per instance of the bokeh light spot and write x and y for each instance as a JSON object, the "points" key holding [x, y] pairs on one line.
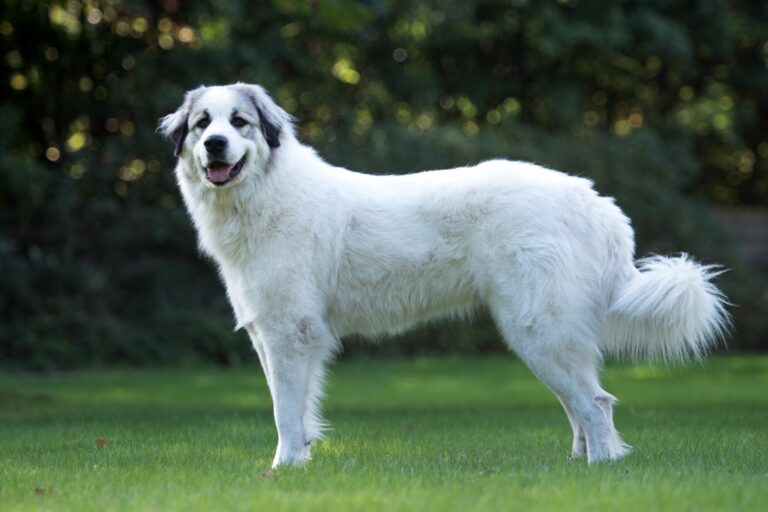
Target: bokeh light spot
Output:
{"points": [[52, 153], [19, 82]]}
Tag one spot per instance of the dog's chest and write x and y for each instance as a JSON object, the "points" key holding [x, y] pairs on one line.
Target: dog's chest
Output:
{"points": [[229, 233]]}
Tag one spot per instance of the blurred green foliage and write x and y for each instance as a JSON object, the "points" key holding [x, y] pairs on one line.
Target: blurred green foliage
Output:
{"points": [[662, 102]]}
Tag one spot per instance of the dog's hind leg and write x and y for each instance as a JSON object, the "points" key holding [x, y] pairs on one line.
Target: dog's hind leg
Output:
{"points": [[572, 375], [571, 372], [579, 447], [619, 448], [570, 369]]}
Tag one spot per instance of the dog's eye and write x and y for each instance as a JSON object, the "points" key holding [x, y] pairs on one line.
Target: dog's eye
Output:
{"points": [[238, 122], [203, 123]]}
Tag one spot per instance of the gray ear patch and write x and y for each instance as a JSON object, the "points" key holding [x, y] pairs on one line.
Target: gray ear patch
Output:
{"points": [[273, 119], [270, 131], [174, 126], [178, 135]]}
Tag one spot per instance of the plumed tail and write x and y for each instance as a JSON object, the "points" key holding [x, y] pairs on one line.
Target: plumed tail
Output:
{"points": [[668, 310]]}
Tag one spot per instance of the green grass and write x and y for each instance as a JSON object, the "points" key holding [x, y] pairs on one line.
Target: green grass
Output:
{"points": [[429, 434]]}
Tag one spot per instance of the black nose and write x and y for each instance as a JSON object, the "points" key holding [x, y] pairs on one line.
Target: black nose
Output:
{"points": [[215, 143]]}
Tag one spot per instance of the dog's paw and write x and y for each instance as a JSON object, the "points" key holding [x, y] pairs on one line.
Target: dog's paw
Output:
{"points": [[620, 450], [579, 448], [615, 453], [299, 457]]}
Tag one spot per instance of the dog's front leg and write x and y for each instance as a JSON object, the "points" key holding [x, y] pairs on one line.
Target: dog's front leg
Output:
{"points": [[288, 362], [258, 345]]}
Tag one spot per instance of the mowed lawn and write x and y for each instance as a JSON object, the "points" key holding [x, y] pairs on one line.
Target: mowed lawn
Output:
{"points": [[425, 434]]}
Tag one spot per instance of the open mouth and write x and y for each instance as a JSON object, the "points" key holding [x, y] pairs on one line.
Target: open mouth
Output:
{"points": [[220, 173]]}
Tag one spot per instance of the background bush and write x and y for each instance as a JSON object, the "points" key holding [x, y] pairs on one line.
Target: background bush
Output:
{"points": [[662, 103]]}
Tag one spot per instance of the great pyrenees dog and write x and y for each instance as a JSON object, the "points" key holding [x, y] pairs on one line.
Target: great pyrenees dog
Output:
{"points": [[310, 253]]}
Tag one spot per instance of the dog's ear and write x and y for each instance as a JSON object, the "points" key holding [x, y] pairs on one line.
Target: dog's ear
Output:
{"points": [[176, 126], [270, 130], [273, 119]]}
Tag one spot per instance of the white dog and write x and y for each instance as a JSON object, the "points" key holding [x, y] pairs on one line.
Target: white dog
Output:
{"points": [[310, 253]]}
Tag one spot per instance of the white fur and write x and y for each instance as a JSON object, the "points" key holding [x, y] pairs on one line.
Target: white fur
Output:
{"points": [[310, 252]]}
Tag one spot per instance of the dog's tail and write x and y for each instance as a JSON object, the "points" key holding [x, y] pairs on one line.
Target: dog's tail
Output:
{"points": [[668, 309]]}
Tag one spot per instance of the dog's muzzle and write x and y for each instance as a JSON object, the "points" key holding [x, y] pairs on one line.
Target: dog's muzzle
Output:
{"points": [[220, 173]]}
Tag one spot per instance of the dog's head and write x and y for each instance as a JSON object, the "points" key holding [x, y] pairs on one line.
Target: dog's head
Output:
{"points": [[226, 132]]}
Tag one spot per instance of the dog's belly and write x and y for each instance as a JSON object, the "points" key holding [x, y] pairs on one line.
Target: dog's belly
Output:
{"points": [[379, 294]]}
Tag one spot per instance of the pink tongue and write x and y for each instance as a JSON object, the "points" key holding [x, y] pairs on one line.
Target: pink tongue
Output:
{"points": [[218, 174]]}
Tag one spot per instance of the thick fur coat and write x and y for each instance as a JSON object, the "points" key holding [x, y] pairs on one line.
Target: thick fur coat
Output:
{"points": [[310, 252]]}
